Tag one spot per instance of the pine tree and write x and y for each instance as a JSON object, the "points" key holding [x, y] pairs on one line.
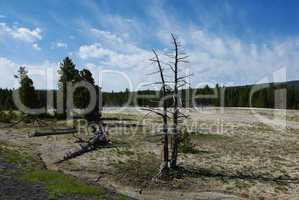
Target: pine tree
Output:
{"points": [[68, 74], [82, 96], [26, 89]]}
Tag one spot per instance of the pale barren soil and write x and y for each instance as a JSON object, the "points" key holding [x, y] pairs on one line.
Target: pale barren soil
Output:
{"points": [[237, 154]]}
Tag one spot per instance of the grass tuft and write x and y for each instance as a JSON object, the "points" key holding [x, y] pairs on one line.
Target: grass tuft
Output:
{"points": [[59, 184], [20, 160], [186, 146]]}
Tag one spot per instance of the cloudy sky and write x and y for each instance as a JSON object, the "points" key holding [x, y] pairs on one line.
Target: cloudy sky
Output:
{"points": [[229, 42]]}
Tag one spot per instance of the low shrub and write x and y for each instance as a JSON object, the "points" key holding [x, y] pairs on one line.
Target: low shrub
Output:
{"points": [[185, 143], [7, 117]]}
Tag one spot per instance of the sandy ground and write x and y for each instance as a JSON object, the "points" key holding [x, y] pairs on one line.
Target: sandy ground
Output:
{"points": [[242, 154]]}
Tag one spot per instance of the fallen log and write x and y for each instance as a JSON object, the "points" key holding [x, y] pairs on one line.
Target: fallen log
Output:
{"points": [[99, 140], [53, 132], [74, 154], [120, 124]]}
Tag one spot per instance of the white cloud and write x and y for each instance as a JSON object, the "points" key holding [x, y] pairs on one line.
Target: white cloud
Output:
{"points": [[8, 70], [56, 45], [106, 35], [61, 45], [44, 74], [90, 66], [94, 51], [231, 61], [119, 54], [127, 27], [114, 51], [114, 58], [26, 34], [115, 42], [21, 33], [36, 46]]}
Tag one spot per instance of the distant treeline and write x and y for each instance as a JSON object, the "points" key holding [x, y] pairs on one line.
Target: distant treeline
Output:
{"points": [[263, 96]]}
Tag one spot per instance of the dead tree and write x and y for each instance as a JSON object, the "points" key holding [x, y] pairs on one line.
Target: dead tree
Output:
{"points": [[164, 169], [177, 57], [179, 81]]}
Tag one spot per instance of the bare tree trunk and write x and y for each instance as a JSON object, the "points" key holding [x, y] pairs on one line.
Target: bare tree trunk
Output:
{"points": [[164, 169], [173, 162]]}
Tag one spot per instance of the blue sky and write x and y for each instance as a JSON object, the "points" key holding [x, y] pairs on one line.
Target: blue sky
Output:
{"points": [[228, 41]]}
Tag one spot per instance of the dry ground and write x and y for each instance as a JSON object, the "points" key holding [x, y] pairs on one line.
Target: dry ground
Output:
{"points": [[238, 154]]}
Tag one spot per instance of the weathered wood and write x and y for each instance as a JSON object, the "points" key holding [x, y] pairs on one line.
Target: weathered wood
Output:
{"points": [[120, 124], [164, 169], [174, 155], [99, 140], [53, 132], [75, 154]]}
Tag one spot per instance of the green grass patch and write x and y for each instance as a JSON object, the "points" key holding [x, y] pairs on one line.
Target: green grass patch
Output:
{"points": [[16, 158], [31, 169], [122, 197], [59, 184], [21, 160]]}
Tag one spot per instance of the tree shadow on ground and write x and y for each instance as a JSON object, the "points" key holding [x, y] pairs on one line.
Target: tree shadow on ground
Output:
{"points": [[182, 172]]}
